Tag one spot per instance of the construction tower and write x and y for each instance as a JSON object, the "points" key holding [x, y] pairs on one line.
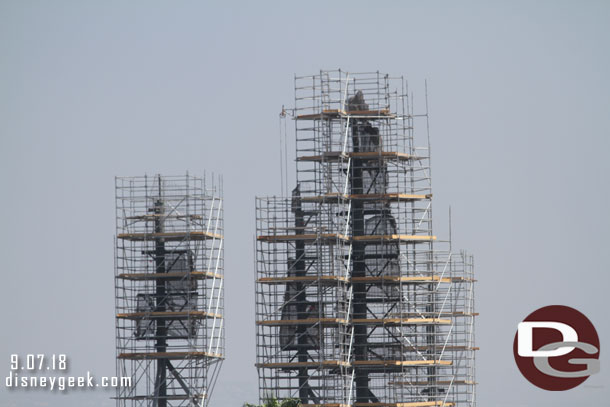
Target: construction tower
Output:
{"points": [[169, 289], [357, 302]]}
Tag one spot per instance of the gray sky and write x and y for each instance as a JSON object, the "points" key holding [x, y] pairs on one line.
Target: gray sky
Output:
{"points": [[519, 101]]}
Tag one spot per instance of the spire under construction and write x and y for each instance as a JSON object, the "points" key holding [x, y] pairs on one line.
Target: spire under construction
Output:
{"points": [[357, 302], [169, 289]]}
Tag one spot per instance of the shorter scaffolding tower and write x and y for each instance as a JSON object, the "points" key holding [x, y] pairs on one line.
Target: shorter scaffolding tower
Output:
{"points": [[169, 289], [357, 302]]}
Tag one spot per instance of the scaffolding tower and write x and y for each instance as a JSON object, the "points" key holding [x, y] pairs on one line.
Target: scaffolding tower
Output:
{"points": [[357, 302], [169, 289]]}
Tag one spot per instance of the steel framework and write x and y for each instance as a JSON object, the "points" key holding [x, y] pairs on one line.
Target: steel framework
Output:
{"points": [[357, 302], [169, 289]]}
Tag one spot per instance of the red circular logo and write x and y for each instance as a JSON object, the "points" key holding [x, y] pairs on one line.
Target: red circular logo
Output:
{"points": [[556, 348]]}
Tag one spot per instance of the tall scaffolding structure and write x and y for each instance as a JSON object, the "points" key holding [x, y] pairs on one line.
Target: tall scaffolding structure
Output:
{"points": [[169, 289], [357, 302]]}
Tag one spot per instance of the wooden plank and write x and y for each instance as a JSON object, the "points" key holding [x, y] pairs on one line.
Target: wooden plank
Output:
{"points": [[400, 279], [424, 313], [197, 275], [461, 279], [167, 397], [334, 197], [366, 280], [328, 405], [302, 279], [303, 237], [336, 156], [169, 355], [155, 216], [376, 155], [399, 321], [402, 363], [168, 314], [407, 404], [169, 236], [304, 321], [393, 238], [390, 197], [337, 236], [367, 113], [329, 156], [440, 383], [337, 197], [356, 114], [450, 348], [309, 365]]}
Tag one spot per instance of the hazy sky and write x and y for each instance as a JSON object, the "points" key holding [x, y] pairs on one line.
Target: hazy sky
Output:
{"points": [[520, 125]]}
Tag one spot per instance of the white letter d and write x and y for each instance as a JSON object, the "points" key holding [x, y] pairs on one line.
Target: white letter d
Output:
{"points": [[525, 339]]}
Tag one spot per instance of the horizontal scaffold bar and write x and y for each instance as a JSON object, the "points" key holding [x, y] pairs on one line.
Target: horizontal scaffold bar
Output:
{"points": [[303, 279], [305, 237], [170, 236], [400, 279], [393, 238], [441, 314], [407, 404], [400, 321], [328, 405], [323, 364], [336, 156], [156, 216], [189, 396], [196, 275], [304, 321], [385, 280], [357, 321], [439, 383], [401, 363], [437, 314], [311, 237], [169, 315], [337, 197], [411, 348], [354, 114], [327, 364], [170, 355]]}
